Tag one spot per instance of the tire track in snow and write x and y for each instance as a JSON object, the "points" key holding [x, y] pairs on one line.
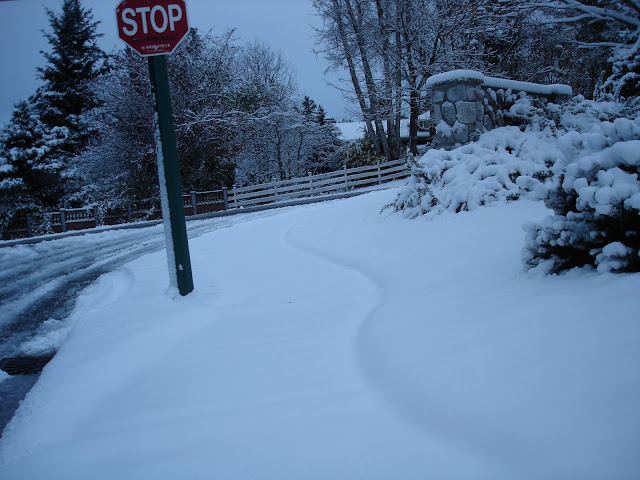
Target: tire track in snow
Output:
{"points": [[42, 281]]}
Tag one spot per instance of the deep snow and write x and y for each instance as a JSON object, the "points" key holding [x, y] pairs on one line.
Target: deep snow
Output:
{"points": [[329, 341]]}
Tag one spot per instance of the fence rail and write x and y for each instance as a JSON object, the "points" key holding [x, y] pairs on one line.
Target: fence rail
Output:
{"points": [[196, 203]]}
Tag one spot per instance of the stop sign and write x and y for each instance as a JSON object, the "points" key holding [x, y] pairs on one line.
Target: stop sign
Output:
{"points": [[152, 27]]}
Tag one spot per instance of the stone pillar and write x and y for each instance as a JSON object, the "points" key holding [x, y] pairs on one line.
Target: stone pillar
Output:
{"points": [[457, 112]]}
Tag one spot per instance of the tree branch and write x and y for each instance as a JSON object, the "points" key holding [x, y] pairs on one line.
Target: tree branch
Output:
{"points": [[595, 12]]}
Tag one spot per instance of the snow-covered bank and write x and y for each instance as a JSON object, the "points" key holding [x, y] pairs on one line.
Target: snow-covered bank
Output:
{"points": [[328, 341], [582, 158]]}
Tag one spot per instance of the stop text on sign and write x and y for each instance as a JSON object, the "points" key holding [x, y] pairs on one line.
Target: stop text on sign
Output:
{"points": [[158, 18], [152, 27]]}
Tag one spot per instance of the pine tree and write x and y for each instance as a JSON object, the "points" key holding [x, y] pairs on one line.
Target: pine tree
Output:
{"points": [[321, 139], [48, 130], [309, 107], [624, 82], [322, 116], [30, 167], [74, 62]]}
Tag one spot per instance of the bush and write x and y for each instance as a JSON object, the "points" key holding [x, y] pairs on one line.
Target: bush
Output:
{"points": [[595, 197], [505, 164]]}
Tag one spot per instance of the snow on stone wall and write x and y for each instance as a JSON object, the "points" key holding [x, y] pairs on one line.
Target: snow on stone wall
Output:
{"points": [[466, 103]]}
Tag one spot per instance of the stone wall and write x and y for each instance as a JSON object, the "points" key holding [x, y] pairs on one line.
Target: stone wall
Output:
{"points": [[466, 104]]}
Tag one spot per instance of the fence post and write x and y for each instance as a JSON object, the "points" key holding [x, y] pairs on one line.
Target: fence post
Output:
{"points": [[310, 182], [194, 202], [96, 220], [275, 193], [225, 197], [379, 174], [235, 196], [29, 226], [129, 212], [63, 220], [346, 179]]}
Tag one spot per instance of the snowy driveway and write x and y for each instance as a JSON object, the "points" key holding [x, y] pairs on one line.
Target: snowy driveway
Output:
{"points": [[329, 341]]}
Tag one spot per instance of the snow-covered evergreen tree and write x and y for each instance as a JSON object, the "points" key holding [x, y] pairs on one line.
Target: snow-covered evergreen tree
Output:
{"points": [[48, 130], [594, 194], [359, 153], [73, 62], [322, 144], [595, 191], [31, 164], [624, 82], [594, 32]]}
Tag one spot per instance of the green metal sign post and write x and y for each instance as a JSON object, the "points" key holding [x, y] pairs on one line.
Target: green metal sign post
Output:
{"points": [[169, 173], [154, 28]]}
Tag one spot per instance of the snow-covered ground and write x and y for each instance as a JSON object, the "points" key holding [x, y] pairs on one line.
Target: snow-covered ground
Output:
{"points": [[330, 341]]}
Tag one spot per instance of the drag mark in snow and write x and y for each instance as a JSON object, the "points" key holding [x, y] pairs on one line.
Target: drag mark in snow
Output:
{"points": [[405, 401], [374, 299]]}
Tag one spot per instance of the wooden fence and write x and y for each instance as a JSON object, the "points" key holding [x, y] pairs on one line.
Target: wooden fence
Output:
{"points": [[315, 185], [197, 203]]}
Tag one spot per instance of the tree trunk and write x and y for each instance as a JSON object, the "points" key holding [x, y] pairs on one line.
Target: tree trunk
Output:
{"points": [[414, 106], [387, 102], [354, 78], [356, 24]]}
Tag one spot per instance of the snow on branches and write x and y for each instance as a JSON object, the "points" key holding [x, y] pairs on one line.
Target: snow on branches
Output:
{"points": [[505, 164], [595, 195]]}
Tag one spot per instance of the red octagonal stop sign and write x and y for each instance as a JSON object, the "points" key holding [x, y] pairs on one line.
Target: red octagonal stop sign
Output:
{"points": [[152, 27]]}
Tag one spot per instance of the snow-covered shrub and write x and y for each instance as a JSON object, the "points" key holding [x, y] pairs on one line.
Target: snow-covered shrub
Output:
{"points": [[506, 107], [594, 193], [584, 164], [505, 164]]}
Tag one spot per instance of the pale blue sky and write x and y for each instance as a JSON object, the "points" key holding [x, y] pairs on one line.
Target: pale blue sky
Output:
{"points": [[284, 24]]}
